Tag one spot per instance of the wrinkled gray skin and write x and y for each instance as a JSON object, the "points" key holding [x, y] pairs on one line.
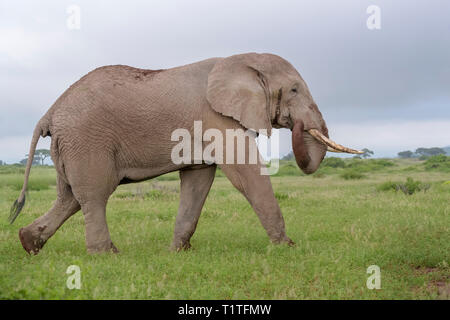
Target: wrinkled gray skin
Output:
{"points": [[114, 126]]}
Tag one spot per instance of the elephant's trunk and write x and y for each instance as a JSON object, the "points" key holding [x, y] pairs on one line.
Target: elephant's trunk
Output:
{"points": [[308, 152]]}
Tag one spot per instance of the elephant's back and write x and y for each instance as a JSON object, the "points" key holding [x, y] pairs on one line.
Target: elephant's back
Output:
{"points": [[100, 86], [123, 89], [129, 111]]}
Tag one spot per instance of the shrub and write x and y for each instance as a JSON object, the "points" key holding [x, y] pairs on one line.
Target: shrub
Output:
{"points": [[356, 162], [439, 162], [409, 187], [387, 186], [370, 164], [333, 162], [412, 186], [381, 162], [352, 175], [288, 169], [281, 196]]}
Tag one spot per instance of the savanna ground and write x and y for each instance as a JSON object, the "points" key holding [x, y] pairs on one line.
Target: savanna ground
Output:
{"points": [[344, 218]]}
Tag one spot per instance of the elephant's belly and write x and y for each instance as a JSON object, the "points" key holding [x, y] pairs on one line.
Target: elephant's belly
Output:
{"points": [[149, 164], [139, 174], [144, 164]]}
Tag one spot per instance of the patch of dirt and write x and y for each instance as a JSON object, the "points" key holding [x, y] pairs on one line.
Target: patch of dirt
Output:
{"points": [[425, 270], [442, 287], [439, 286]]}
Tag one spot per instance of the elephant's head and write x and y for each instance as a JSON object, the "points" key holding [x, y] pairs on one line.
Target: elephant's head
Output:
{"points": [[264, 91]]}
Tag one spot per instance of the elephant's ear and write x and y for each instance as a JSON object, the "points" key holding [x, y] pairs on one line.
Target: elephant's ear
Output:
{"points": [[238, 88]]}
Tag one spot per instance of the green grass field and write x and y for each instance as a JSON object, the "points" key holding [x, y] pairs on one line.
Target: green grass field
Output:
{"points": [[343, 219]]}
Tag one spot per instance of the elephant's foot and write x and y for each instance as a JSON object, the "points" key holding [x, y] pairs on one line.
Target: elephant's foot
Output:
{"points": [[283, 240], [106, 246], [31, 242], [180, 245]]}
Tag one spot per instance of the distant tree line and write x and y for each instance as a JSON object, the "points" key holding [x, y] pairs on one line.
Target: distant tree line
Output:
{"points": [[421, 153], [39, 157], [367, 153], [289, 156]]}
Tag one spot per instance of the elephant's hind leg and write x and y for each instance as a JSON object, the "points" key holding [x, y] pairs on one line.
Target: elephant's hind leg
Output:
{"points": [[98, 238], [195, 185], [93, 181], [34, 236]]}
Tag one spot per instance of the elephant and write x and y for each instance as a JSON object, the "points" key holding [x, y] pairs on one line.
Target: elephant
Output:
{"points": [[113, 126]]}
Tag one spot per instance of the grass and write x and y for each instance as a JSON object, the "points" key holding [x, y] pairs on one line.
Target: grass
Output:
{"points": [[352, 174], [340, 227], [41, 179]]}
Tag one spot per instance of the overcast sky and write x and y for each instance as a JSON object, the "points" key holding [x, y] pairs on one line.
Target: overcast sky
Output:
{"points": [[385, 89]]}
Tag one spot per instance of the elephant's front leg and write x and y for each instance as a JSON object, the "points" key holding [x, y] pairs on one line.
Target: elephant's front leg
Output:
{"points": [[195, 185], [258, 190]]}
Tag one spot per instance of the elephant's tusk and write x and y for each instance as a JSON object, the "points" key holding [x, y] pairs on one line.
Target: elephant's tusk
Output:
{"points": [[330, 149], [331, 145]]}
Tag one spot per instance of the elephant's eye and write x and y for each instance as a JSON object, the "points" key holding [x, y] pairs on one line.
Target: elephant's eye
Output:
{"points": [[294, 90]]}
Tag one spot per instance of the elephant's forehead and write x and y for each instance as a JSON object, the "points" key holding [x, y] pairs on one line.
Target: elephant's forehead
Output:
{"points": [[286, 77]]}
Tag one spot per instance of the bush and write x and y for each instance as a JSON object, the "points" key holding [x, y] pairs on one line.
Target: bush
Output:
{"points": [[281, 196], [439, 162], [288, 169], [381, 162], [352, 175], [387, 186], [333, 162], [356, 163], [370, 164], [409, 187], [412, 186]]}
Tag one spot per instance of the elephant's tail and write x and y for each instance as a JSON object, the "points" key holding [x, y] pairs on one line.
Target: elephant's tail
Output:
{"points": [[42, 128]]}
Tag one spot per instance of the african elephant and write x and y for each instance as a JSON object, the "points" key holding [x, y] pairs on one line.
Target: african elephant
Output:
{"points": [[114, 125]]}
